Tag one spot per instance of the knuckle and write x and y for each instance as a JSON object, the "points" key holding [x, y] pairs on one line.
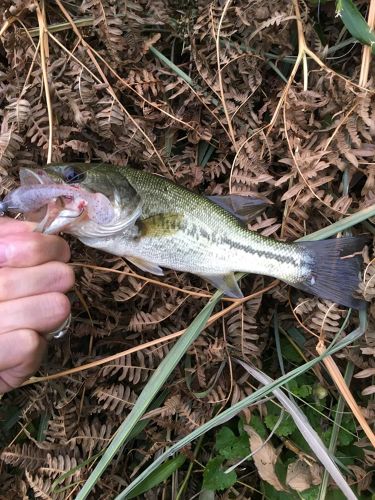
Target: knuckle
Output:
{"points": [[6, 283], [59, 306], [61, 248], [65, 250], [35, 246], [63, 276], [29, 342]]}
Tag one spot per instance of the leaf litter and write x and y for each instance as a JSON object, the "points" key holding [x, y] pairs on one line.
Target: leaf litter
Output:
{"points": [[263, 98]]}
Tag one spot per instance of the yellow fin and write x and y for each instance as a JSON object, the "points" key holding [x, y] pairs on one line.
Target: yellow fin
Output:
{"points": [[145, 265], [160, 225]]}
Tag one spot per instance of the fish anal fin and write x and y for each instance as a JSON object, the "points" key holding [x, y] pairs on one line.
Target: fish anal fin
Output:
{"points": [[160, 225], [146, 266], [225, 282], [244, 207]]}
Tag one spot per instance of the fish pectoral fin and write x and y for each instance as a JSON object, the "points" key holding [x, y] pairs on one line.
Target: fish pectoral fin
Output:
{"points": [[226, 282], [145, 265], [160, 224], [245, 208]]}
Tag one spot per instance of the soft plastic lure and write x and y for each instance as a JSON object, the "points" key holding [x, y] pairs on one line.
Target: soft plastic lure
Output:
{"points": [[33, 197]]}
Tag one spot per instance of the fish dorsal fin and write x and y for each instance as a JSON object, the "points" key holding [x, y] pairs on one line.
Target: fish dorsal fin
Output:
{"points": [[225, 282], [245, 208], [160, 225], [145, 265]]}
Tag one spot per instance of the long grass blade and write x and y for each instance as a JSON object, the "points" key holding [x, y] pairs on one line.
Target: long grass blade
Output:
{"points": [[246, 402], [335, 430], [153, 386], [341, 225], [355, 23], [304, 426]]}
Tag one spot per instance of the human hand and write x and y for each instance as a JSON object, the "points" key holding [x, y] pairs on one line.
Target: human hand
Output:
{"points": [[33, 278]]}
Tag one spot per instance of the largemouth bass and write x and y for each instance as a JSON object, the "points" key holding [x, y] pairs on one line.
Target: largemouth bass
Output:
{"points": [[157, 224]]}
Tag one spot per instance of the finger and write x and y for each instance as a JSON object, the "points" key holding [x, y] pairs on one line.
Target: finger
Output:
{"points": [[50, 277], [21, 353], [42, 313], [14, 226], [31, 249]]}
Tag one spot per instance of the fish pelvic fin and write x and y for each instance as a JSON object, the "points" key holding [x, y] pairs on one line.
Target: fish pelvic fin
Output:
{"points": [[335, 273], [145, 265], [225, 282]]}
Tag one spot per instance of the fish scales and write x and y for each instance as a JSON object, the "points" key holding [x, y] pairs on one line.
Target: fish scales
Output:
{"points": [[208, 240]]}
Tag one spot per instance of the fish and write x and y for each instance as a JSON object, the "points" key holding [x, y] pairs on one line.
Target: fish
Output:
{"points": [[156, 224]]}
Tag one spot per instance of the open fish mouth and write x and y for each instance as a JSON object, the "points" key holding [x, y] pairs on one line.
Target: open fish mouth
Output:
{"points": [[56, 206]]}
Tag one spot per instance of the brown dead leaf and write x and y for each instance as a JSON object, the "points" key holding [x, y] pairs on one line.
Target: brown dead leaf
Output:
{"points": [[363, 478], [301, 476], [265, 458]]}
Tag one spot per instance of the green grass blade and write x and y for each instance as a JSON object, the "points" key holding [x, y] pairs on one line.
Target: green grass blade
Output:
{"points": [[341, 225], [161, 474], [310, 435], [249, 400], [335, 430], [172, 66], [42, 427], [155, 383], [72, 471], [355, 23]]}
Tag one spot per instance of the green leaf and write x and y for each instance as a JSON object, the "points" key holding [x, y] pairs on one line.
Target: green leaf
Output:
{"points": [[272, 494], [302, 390], [231, 446], [312, 494], [214, 477], [355, 22], [286, 428], [289, 351], [159, 475], [258, 426], [346, 438]]}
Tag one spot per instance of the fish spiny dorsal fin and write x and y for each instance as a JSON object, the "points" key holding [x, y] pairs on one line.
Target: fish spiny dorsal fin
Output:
{"points": [[244, 208]]}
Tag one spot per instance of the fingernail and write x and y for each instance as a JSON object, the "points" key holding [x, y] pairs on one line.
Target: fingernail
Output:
{"points": [[4, 253]]}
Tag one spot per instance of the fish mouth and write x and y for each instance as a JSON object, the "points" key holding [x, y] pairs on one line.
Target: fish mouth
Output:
{"points": [[56, 217], [65, 206], [56, 207]]}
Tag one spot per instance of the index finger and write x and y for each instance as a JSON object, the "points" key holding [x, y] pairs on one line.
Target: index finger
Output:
{"points": [[14, 226], [26, 249]]}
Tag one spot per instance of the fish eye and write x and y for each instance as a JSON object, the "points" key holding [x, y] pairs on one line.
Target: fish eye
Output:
{"points": [[72, 175]]}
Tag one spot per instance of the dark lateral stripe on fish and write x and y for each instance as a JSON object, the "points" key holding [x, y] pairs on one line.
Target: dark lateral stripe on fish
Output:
{"points": [[283, 259]]}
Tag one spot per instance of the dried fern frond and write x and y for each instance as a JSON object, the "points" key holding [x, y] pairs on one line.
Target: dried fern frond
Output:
{"points": [[115, 398], [26, 456]]}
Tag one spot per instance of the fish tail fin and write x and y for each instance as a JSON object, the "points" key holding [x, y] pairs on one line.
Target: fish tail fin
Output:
{"points": [[335, 273]]}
